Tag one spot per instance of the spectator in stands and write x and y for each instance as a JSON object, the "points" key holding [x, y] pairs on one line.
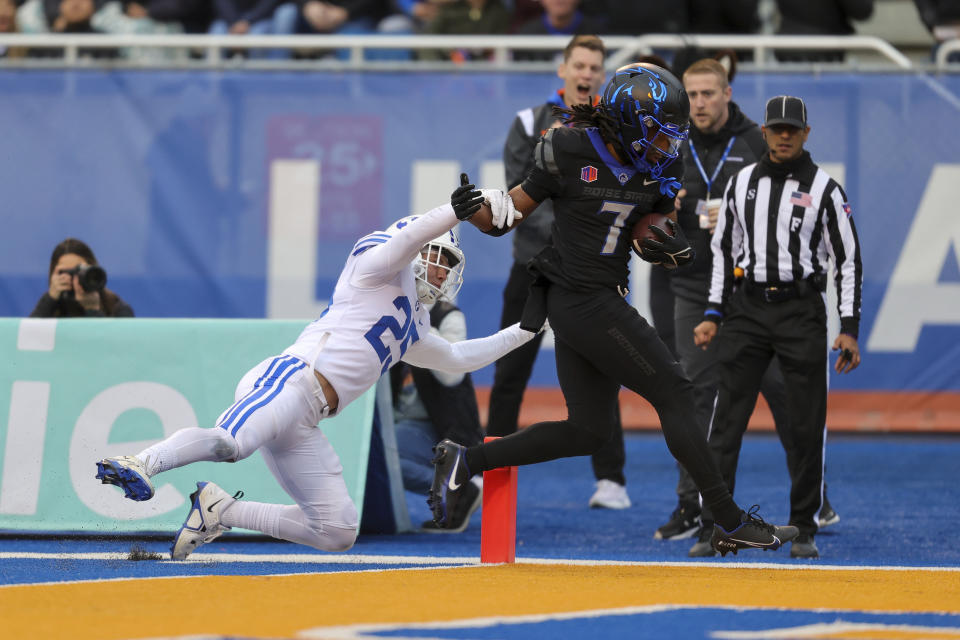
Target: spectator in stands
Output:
{"points": [[634, 18], [343, 17], [68, 16], [62, 16], [153, 17], [521, 11], [8, 24], [190, 15], [733, 17], [819, 17], [255, 17], [942, 18], [430, 405], [78, 292], [724, 16], [409, 16], [559, 17], [466, 17]]}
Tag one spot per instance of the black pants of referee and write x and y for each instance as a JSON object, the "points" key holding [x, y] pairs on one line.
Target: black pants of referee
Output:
{"points": [[601, 344], [795, 330], [512, 372], [704, 371]]}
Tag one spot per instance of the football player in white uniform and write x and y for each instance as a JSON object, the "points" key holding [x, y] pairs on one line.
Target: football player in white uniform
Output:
{"points": [[376, 318]]}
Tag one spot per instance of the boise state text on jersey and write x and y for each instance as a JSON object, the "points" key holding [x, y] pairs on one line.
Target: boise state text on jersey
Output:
{"points": [[595, 210]]}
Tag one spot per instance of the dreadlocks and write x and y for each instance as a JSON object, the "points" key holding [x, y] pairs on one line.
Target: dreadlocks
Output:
{"points": [[585, 115]]}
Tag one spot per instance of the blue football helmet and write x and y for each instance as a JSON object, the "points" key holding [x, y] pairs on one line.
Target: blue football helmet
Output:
{"points": [[653, 113]]}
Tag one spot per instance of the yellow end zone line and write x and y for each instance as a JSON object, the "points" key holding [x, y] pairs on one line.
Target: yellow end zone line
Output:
{"points": [[414, 563], [286, 605]]}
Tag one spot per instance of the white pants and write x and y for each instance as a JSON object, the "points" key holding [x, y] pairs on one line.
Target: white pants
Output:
{"points": [[277, 406]]}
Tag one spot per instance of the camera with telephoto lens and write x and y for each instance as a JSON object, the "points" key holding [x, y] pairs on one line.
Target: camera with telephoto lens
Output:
{"points": [[90, 276]]}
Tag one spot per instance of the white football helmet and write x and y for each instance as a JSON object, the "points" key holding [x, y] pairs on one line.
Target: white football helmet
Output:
{"points": [[447, 245]]}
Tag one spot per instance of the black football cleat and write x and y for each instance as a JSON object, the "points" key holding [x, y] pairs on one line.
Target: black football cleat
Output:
{"points": [[450, 475], [466, 505], [752, 533]]}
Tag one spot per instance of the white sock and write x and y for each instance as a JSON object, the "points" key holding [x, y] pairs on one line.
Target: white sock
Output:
{"points": [[188, 445], [256, 516], [286, 522]]}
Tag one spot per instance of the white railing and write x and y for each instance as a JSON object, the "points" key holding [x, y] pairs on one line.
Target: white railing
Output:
{"points": [[209, 49], [948, 47]]}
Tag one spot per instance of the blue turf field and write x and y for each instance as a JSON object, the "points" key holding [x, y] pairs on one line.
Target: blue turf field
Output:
{"points": [[894, 494]]}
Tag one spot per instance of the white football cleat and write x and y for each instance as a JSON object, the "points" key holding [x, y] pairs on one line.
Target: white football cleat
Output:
{"points": [[610, 495], [128, 473], [203, 522]]}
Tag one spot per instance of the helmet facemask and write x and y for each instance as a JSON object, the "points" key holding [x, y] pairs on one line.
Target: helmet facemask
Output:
{"points": [[657, 146], [443, 258], [442, 255]]}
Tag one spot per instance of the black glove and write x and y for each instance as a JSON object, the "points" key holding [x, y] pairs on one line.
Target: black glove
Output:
{"points": [[671, 251], [466, 200]]}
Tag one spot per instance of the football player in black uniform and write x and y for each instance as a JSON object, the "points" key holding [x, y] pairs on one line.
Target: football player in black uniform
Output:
{"points": [[615, 164]]}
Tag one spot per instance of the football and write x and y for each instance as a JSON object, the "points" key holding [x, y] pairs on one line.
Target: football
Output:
{"points": [[642, 230]]}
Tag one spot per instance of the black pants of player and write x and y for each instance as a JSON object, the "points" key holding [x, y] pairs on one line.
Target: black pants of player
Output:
{"points": [[601, 344], [795, 330], [512, 372], [703, 369]]}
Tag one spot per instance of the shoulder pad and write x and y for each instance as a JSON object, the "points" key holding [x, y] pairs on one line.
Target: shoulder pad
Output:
{"points": [[370, 241], [544, 156]]}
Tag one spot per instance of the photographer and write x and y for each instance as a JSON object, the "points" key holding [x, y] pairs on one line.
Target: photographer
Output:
{"points": [[77, 286]]}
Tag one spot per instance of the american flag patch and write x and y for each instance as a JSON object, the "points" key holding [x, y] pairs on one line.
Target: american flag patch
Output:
{"points": [[588, 173], [847, 209], [801, 199]]}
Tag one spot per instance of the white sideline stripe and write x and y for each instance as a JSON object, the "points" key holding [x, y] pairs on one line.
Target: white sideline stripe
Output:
{"points": [[820, 630], [298, 558], [355, 559], [360, 631]]}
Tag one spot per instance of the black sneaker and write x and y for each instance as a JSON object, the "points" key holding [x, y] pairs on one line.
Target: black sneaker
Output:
{"points": [[752, 533], [468, 503], [684, 523], [450, 475], [702, 547], [804, 547], [828, 515]]}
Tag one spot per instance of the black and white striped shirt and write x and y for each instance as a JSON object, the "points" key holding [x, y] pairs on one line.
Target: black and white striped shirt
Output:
{"points": [[783, 227]]}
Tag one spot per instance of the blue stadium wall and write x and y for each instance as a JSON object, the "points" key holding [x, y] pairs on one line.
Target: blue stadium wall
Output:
{"points": [[178, 180]]}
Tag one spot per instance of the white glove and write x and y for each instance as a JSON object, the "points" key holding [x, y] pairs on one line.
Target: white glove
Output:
{"points": [[501, 204]]}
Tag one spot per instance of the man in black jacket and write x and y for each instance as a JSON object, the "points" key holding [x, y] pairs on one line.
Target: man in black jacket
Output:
{"points": [[582, 74], [722, 141]]}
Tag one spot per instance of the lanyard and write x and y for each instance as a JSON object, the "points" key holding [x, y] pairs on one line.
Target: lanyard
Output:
{"points": [[716, 170]]}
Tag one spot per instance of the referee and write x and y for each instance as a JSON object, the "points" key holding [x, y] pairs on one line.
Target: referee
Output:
{"points": [[781, 220]]}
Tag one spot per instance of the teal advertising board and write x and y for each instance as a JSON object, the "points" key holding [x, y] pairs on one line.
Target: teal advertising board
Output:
{"points": [[74, 391]]}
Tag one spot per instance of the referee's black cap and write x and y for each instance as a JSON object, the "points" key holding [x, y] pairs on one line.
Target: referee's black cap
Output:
{"points": [[786, 110]]}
